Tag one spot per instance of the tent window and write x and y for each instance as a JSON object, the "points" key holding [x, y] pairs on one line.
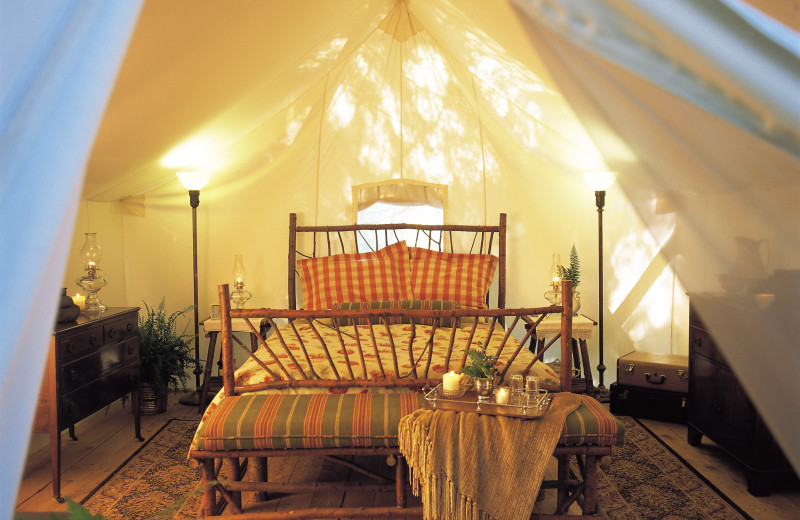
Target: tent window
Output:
{"points": [[399, 203]]}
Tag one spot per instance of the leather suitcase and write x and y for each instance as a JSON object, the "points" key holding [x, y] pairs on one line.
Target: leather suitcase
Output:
{"points": [[661, 405], [667, 372]]}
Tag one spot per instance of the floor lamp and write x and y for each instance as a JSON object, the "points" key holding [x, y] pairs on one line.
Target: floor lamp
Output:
{"points": [[194, 181], [600, 182]]}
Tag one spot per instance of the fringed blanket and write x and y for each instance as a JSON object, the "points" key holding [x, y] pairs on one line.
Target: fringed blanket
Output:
{"points": [[467, 466]]}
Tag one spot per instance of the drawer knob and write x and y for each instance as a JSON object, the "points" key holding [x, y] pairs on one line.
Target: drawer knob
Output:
{"points": [[69, 347], [112, 332], [698, 342], [131, 349], [129, 327], [73, 374], [93, 339]]}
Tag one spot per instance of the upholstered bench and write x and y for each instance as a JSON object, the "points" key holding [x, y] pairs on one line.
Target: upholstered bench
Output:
{"points": [[319, 420], [263, 425]]}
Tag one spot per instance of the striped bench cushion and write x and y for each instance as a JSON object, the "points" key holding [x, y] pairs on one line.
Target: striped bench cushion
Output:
{"points": [[591, 423], [324, 420], [279, 421]]}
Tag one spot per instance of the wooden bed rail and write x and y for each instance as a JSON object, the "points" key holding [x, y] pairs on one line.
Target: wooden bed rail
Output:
{"points": [[287, 371]]}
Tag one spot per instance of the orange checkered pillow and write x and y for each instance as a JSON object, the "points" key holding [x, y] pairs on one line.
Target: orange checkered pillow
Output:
{"points": [[379, 275], [462, 278]]}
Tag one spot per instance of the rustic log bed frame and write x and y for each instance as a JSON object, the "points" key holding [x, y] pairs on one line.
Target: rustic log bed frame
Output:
{"points": [[255, 460]]}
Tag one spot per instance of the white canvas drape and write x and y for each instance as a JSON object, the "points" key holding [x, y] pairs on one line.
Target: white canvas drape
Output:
{"points": [[291, 104], [710, 158], [59, 60]]}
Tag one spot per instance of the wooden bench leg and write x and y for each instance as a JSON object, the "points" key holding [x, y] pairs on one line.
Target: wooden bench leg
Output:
{"points": [[589, 485], [209, 492], [563, 476], [257, 466], [400, 481], [235, 472]]}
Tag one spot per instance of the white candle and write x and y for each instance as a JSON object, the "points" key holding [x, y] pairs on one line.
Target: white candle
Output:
{"points": [[501, 395], [79, 300], [451, 381]]}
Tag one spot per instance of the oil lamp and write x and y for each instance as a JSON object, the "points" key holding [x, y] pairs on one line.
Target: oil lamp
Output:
{"points": [[239, 296], [92, 282]]}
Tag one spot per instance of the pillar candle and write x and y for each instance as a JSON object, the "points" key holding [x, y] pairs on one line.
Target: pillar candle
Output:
{"points": [[451, 381], [79, 300]]}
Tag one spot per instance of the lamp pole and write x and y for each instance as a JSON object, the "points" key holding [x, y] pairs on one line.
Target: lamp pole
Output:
{"points": [[600, 201], [194, 201], [194, 182], [600, 181]]}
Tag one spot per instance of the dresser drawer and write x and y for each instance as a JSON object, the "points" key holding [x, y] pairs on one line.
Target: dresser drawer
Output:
{"points": [[701, 343], [83, 370], [78, 404], [74, 344], [121, 329]]}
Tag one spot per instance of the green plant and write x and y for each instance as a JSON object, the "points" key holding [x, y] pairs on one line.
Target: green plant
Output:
{"points": [[164, 354], [573, 272], [480, 364]]}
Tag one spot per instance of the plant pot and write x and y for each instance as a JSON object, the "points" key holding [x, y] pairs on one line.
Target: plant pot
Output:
{"points": [[151, 402]]}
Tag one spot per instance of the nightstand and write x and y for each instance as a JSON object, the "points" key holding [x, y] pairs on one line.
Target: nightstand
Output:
{"points": [[212, 326]]}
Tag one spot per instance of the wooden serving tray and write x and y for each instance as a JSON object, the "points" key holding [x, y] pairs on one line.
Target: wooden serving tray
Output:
{"points": [[468, 402]]}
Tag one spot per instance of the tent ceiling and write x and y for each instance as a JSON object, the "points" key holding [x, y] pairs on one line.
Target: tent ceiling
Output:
{"points": [[218, 74]]}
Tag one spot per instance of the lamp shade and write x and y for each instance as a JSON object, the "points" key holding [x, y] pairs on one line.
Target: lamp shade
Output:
{"points": [[194, 180], [599, 181]]}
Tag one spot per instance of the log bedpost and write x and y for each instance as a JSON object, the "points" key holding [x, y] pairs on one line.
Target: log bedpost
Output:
{"points": [[566, 336]]}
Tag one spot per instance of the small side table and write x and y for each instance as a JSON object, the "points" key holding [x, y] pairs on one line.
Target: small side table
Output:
{"points": [[213, 326], [582, 327]]}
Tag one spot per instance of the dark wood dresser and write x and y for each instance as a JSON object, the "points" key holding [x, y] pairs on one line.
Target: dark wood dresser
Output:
{"points": [[93, 362], [720, 409]]}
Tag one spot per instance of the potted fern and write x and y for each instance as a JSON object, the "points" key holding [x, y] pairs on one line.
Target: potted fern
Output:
{"points": [[573, 272], [481, 365], [164, 356]]}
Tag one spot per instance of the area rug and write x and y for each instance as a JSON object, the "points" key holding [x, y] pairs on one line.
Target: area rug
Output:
{"points": [[648, 481], [156, 482]]}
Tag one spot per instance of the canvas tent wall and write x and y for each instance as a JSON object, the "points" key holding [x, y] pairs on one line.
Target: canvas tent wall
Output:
{"points": [[492, 101]]}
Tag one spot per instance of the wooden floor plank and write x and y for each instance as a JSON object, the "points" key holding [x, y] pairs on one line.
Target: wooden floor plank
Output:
{"points": [[726, 474], [331, 472], [105, 440]]}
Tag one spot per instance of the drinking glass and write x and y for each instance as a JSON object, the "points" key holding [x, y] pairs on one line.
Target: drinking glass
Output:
{"points": [[531, 389], [515, 386]]}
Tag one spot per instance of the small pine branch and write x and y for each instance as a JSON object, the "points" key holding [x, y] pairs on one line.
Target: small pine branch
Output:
{"points": [[573, 272]]}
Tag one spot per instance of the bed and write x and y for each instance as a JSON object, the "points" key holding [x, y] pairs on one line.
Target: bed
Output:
{"points": [[386, 311]]}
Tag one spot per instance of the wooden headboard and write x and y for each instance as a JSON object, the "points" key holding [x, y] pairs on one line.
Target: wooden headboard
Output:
{"points": [[328, 240]]}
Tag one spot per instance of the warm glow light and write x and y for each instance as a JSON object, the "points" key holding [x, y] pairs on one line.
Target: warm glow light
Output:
{"points": [[599, 181], [194, 180], [191, 154]]}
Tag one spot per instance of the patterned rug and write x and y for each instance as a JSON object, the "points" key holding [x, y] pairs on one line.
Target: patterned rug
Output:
{"points": [[156, 482], [646, 481]]}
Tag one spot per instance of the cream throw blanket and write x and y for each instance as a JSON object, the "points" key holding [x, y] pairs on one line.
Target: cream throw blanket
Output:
{"points": [[467, 466]]}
